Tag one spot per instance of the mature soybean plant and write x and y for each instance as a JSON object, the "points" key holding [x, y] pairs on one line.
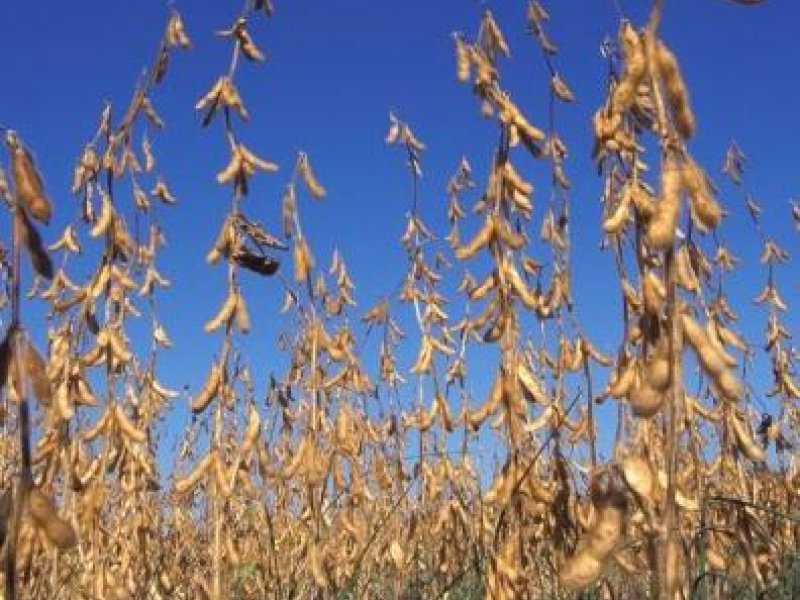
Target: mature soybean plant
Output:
{"points": [[347, 483]]}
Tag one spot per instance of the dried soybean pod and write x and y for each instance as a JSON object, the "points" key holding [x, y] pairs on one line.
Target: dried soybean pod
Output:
{"points": [[303, 261], [660, 232], [638, 475], [226, 312], [241, 315], [40, 259], [176, 35], [209, 391], [309, 177], [28, 182], [263, 265], [484, 236], [463, 61], [608, 526], [127, 427], [635, 66], [697, 337], [560, 88], [657, 372], [615, 221], [36, 370], [598, 544], [677, 94], [186, 484], [645, 400], [654, 293], [705, 211], [579, 572], [252, 430], [745, 442], [43, 513], [623, 378]]}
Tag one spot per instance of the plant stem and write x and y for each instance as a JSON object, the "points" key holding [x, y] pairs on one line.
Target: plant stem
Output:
{"points": [[23, 486]]}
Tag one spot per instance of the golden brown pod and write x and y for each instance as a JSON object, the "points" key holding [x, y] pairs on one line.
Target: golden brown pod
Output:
{"points": [[186, 484], [463, 62], [645, 400], [676, 92], [225, 314], [705, 211], [482, 238], [614, 222], [638, 475], [660, 232], [252, 430], [696, 336], [35, 368], [105, 218], [127, 428], [476, 418], [745, 442], [209, 391], [560, 88], [635, 66], [623, 378], [102, 424], [654, 293], [27, 182], [249, 48], [303, 261], [241, 314], [176, 35], [598, 544], [58, 531], [309, 177]]}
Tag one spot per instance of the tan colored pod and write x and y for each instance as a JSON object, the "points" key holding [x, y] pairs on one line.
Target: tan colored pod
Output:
{"points": [[711, 361], [614, 222], [635, 66], [43, 513], [654, 294], [676, 92], [252, 430], [645, 401], [35, 367], [209, 390], [745, 442], [705, 211], [226, 312], [463, 62], [638, 476], [27, 182], [127, 428], [660, 231], [657, 373], [105, 218], [608, 527], [623, 379], [186, 484], [309, 177], [481, 239]]}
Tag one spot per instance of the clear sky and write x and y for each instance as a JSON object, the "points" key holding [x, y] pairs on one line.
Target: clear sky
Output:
{"points": [[334, 71]]}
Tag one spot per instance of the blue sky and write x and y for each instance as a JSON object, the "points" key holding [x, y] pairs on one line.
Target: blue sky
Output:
{"points": [[334, 71]]}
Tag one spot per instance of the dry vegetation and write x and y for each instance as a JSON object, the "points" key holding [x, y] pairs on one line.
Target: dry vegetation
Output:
{"points": [[313, 495]]}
